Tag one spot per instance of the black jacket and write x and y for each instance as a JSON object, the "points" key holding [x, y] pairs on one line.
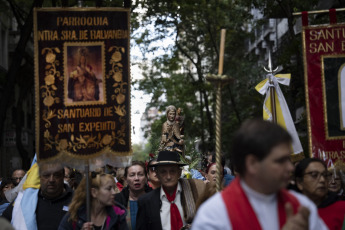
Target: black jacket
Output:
{"points": [[49, 213], [117, 220], [331, 198], [123, 196], [149, 205], [148, 216]]}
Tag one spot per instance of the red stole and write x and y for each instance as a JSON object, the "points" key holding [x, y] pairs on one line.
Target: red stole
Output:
{"points": [[175, 216], [241, 213]]}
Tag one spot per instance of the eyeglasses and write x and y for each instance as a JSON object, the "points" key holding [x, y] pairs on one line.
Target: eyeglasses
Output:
{"points": [[152, 169], [334, 178], [316, 175]]}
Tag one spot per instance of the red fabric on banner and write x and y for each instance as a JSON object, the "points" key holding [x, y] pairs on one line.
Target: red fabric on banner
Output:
{"points": [[332, 16], [324, 55], [305, 18]]}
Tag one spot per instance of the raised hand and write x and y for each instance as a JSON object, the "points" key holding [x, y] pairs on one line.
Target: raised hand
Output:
{"points": [[298, 221]]}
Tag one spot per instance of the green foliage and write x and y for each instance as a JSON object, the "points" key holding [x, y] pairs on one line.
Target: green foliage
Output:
{"points": [[177, 77], [195, 27], [289, 53], [139, 153]]}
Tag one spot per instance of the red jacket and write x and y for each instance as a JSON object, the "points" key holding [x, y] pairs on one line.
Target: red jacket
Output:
{"points": [[333, 215]]}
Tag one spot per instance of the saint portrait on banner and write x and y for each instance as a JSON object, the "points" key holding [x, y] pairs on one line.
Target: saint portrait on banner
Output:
{"points": [[84, 73]]}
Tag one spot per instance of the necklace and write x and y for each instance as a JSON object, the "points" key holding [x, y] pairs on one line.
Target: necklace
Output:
{"points": [[103, 223], [100, 227]]}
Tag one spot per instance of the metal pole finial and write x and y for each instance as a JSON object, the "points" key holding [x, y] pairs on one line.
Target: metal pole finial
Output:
{"points": [[80, 3], [270, 66], [271, 88]]}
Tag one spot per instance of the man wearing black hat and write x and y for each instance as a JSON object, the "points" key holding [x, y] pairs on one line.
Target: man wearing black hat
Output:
{"points": [[172, 205]]}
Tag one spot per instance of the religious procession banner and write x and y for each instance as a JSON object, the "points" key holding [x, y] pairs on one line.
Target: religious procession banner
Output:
{"points": [[82, 85], [324, 67]]}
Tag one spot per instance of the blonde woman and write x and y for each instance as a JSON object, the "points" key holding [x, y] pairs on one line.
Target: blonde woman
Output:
{"points": [[104, 215]]}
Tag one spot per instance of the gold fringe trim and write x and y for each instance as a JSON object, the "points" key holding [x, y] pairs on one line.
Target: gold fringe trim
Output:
{"points": [[297, 157]]}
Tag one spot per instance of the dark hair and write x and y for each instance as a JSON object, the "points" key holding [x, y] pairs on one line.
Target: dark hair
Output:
{"points": [[303, 165], [18, 169], [140, 163], [4, 182], [150, 163], [210, 165], [256, 137], [41, 165], [222, 158]]}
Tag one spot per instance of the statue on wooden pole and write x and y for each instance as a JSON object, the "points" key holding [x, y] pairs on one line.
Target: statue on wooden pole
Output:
{"points": [[172, 139]]}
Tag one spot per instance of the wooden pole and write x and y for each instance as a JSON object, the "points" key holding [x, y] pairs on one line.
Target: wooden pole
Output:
{"points": [[221, 51], [219, 81], [272, 91], [88, 203], [273, 101], [219, 112]]}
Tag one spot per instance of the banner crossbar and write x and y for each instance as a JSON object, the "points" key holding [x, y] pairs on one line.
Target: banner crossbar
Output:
{"points": [[318, 12]]}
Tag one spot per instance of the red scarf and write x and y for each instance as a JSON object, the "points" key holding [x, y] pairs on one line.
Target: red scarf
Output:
{"points": [[175, 217], [241, 213]]}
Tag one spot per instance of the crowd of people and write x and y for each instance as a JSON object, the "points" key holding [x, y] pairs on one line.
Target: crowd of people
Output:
{"points": [[156, 195]]}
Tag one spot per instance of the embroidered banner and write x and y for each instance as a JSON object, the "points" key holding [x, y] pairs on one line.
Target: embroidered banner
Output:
{"points": [[324, 62], [82, 84]]}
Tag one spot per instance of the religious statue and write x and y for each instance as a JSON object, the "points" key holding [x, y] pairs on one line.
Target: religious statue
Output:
{"points": [[172, 140], [180, 120], [83, 83]]}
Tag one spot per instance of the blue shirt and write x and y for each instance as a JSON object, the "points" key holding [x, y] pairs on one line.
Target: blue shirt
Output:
{"points": [[133, 206]]}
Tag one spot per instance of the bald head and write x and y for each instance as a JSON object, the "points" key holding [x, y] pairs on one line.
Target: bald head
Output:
{"points": [[17, 176], [51, 178]]}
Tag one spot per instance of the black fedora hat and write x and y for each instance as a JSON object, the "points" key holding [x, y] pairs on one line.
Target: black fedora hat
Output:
{"points": [[168, 158]]}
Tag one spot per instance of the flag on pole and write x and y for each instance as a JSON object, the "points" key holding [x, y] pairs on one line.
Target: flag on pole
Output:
{"points": [[283, 113], [24, 216]]}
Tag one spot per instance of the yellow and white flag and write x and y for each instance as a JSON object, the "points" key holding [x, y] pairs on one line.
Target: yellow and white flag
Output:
{"points": [[282, 110]]}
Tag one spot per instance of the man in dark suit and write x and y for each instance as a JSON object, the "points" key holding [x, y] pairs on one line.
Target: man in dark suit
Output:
{"points": [[172, 205]]}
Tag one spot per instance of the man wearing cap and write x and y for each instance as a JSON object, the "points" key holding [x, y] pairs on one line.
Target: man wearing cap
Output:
{"points": [[257, 198], [172, 205]]}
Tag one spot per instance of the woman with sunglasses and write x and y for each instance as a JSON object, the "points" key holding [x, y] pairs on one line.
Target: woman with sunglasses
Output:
{"points": [[312, 179], [104, 215]]}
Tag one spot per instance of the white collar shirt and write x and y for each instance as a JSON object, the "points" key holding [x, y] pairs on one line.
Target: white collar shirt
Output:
{"points": [[213, 213], [165, 208], [264, 206]]}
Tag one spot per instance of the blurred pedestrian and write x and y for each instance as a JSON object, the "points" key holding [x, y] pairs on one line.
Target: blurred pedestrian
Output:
{"points": [[44, 201], [104, 214], [171, 206], [136, 179], [17, 176], [5, 185], [336, 183], [120, 177], [211, 174], [153, 180], [256, 199], [312, 179]]}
